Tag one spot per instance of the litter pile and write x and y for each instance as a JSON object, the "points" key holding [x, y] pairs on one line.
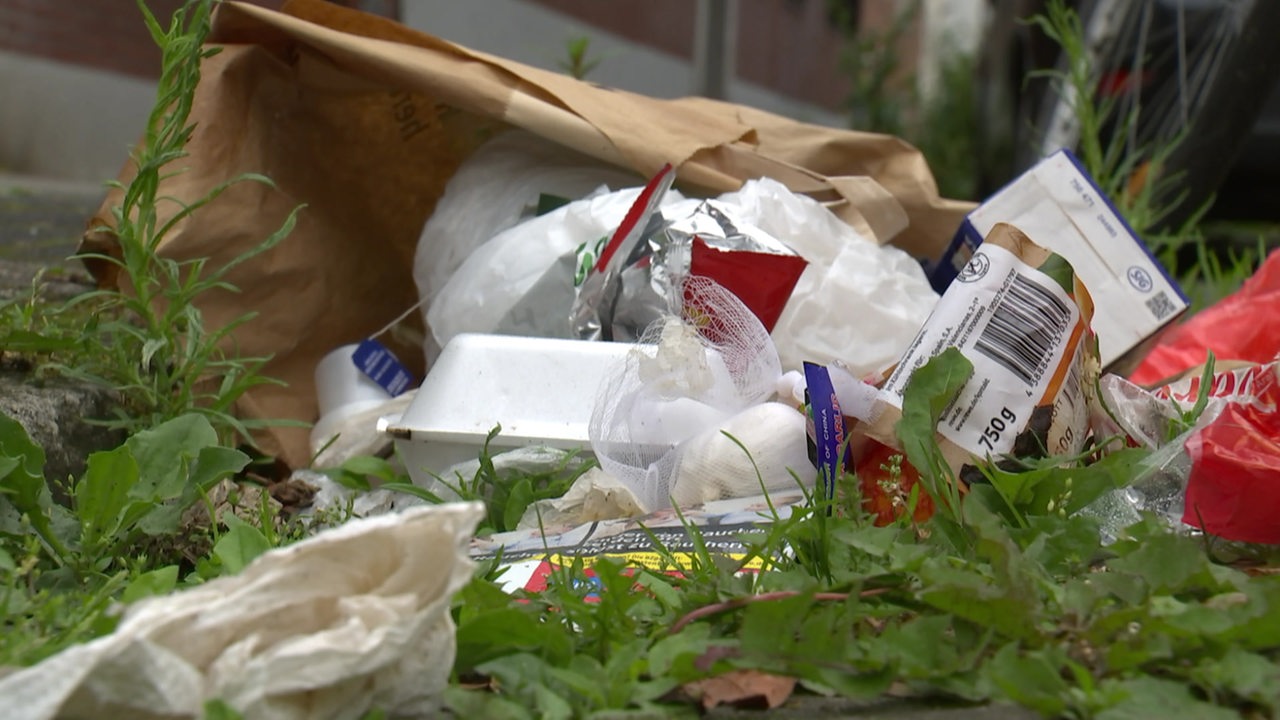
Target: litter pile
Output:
{"points": [[722, 308]]}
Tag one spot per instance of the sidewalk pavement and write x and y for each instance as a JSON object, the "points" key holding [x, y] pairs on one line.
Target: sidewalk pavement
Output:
{"points": [[41, 219]]}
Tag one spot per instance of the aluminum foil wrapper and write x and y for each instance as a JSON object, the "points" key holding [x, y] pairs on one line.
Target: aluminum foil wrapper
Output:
{"points": [[639, 277]]}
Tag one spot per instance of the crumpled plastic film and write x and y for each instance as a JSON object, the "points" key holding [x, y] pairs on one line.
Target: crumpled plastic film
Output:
{"points": [[858, 302], [521, 280], [354, 618], [688, 374]]}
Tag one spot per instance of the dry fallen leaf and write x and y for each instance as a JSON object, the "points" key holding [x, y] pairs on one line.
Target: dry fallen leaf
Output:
{"points": [[744, 689]]}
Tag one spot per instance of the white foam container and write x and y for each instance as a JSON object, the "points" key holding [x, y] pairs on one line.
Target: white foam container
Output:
{"points": [[541, 391]]}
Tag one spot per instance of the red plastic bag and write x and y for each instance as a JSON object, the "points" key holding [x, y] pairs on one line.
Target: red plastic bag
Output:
{"points": [[1242, 326], [1233, 490]]}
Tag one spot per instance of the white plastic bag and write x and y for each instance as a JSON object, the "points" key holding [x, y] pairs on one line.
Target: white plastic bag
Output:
{"points": [[493, 190], [483, 292]]}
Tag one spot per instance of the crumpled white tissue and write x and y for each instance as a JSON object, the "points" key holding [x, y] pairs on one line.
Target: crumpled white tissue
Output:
{"points": [[354, 618]]}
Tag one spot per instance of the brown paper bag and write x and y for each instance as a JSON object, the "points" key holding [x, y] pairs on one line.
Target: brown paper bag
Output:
{"points": [[365, 120]]}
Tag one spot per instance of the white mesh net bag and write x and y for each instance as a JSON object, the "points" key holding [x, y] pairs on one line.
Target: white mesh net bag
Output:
{"points": [[688, 375]]}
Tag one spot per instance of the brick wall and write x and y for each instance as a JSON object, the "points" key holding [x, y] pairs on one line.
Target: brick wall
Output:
{"points": [[789, 47], [104, 34]]}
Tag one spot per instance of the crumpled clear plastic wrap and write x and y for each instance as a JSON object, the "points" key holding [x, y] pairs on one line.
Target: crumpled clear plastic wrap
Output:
{"points": [[1220, 475]]}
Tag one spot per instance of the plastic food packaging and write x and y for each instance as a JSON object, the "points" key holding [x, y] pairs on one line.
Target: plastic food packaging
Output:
{"points": [[1058, 204], [640, 271], [855, 301], [858, 302], [1221, 475], [1021, 316], [1242, 326], [657, 421], [540, 390]]}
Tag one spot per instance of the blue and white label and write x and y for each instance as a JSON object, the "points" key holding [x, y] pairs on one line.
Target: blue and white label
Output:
{"points": [[381, 365], [828, 427]]}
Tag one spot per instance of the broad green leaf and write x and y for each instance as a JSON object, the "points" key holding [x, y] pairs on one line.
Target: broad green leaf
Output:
{"points": [[480, 595], [660, 588], [526, 675], [1261, 629], [931, 389], [24, 481], [11, 522], [1166, 561], [64, 526], [771, 629], [519, 499], [8, 465], [166, 452], [1065, 489], [675, 654], [862, 682], [6, 562], [241, 544], [354, 481], [919, 646], [160, 581], [590, 686], [872, 540], [103, 493], [483, 704], [1062, 546], [156, 519], [1029, 679], [214, 463], [1147, 698], [970, 595], [503, 631], [370, 465], [1245, 675]]}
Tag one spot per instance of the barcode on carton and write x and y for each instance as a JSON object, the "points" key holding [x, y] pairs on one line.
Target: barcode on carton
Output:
{"points": [[1025, 328]]}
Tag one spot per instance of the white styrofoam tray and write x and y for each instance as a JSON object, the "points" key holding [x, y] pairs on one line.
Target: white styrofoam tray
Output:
{"points": [[541, 391]]}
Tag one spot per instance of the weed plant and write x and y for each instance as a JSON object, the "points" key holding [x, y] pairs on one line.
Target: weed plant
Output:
{"points": [[148, 339], [1139, 180], [127, 532]]}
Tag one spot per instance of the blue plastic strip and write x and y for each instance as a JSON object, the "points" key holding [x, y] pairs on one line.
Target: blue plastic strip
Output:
{"points": [[381, 365]]}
